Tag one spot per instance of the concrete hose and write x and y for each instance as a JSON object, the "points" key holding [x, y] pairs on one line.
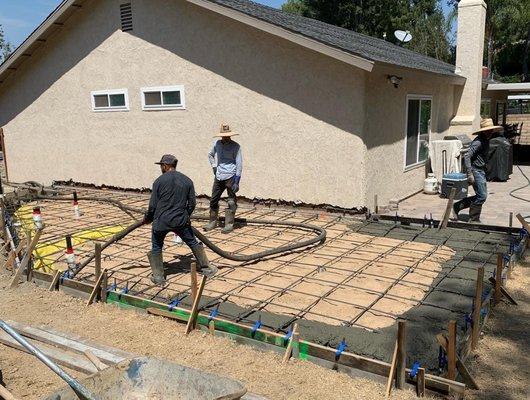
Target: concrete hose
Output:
{"points": [[319, 238]]}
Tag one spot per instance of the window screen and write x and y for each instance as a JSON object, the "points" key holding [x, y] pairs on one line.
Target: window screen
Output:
{"points": [[110, 100], [163, 98]]}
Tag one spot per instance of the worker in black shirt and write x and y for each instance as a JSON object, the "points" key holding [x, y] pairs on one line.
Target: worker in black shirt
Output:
{"points": [[476, 161], [170, 207]]}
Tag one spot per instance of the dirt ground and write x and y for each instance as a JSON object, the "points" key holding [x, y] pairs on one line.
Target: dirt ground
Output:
{"points": [[262, 373], [502, 363]]}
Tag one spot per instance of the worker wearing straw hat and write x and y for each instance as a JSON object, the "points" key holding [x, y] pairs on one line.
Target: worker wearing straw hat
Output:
{"points": [[227, 165], [476, 161]]}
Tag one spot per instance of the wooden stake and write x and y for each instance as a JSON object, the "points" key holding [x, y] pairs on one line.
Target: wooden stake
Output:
{"points": [[464, 373], [510, 220], [498, 279], [97, 260], [195, 308], [392, 371], [376, 205], [97, 289], [296, 343], [27, 257], [451, 351], [104, 285], [448, 210], [193, 280], [289, 349], [13, 254], [211, 327], [94, 360], [476, 308], [523, 222], [420, 383], [53, 285], [503, 291], [402, 355]]}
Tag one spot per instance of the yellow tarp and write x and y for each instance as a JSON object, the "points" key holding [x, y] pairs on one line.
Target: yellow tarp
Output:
{"points": [[44, 251]]}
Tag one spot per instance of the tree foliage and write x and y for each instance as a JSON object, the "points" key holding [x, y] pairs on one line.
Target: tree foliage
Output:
{"points": [[507, 39], [380, 18], [5, 46]]}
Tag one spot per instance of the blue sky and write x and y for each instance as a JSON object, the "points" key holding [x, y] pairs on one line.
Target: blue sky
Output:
{"points": [[20, 17]]}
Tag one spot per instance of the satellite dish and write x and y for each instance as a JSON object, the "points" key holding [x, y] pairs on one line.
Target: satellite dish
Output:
{"points": [[403, 36]]}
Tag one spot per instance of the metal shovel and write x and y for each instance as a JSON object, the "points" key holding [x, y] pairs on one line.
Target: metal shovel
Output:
{"points": [[82, 392]]}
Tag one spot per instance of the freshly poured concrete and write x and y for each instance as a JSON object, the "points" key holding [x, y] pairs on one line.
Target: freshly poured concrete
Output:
{"points": [[422, 275]]}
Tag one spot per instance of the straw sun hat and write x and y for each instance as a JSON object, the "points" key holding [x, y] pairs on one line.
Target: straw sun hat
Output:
{"points": [[486, 124], [225, 131]]}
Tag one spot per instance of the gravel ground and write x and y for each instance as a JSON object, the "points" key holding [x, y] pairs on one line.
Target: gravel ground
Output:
{"points": [[262, 373]]}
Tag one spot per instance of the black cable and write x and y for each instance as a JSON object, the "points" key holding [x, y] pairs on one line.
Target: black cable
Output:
{"points": [[521, 188], [43, 194]]}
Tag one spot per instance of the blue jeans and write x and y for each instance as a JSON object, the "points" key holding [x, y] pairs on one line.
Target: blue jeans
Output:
{"points": [[185, 233], [481, 191]]}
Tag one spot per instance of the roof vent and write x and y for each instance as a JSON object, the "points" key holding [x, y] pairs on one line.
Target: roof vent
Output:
{"points": [[126, 17]]}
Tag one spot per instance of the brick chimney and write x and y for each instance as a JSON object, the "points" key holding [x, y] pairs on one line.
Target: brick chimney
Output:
{"points": [[469, 55]]}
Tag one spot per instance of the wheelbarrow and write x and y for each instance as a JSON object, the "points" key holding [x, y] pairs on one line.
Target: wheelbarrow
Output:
{"points": [[153, 379]]}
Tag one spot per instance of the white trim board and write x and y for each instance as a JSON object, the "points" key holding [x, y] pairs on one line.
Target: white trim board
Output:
{"points": [[301, 40]]}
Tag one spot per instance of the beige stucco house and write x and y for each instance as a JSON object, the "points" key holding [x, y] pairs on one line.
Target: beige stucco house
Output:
{"points": [[104, 87]]}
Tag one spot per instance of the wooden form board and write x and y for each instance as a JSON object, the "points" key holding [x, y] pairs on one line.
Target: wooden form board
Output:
{"points": [[307, 350]]}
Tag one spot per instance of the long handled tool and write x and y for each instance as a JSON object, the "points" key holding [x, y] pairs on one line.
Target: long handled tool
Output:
{"points": [[81, 391]]}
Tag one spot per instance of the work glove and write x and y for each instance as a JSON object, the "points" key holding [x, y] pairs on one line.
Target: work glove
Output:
{"points": [[147, 219], [214, 171], [471, 178], [235, 184]]}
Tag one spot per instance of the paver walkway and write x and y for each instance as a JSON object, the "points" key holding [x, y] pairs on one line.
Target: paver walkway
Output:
{"points": [[496, 210]]}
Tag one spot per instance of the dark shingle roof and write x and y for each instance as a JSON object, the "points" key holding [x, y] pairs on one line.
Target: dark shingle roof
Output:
{"points": [[364, 46]]}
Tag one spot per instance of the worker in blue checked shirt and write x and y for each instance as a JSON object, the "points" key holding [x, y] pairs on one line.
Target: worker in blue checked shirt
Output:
{"points": [[227, 164]]}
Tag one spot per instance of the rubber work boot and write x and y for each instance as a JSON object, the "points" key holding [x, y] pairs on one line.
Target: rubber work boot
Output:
{"points": [[206, 268], [213, 221], [156, 260], [230, 216], [474, 213]]}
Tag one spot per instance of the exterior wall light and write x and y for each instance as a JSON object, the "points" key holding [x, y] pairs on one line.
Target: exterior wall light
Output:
{"points": [[394, 80]]}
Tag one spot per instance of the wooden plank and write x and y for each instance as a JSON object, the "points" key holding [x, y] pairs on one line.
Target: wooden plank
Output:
{"points": [[6, 394], [476, 308], [466, 376], [61, 342], [26, 259], [420, 383], [503, 291], [402, 355], [308, 349], [97, 289], [448, 209], [94, 360], [194, 309], [289, 349], [97, 260], [55, 280], [194, 281], [393, 365], [451, 351], [498, 279], [77, 363]]}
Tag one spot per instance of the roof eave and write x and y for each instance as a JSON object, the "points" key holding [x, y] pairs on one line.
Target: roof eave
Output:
{"points": [[38, 37]]}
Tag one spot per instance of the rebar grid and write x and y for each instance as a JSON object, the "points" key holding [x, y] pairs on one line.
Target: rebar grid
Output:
{"points": [[340, 266]]}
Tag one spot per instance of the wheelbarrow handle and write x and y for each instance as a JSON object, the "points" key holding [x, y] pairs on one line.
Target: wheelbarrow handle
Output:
{"points": [[82, 392]]}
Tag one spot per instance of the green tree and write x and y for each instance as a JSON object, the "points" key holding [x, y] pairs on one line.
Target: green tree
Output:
{"points": [[507, 38], [5, 46], [380, 18]]}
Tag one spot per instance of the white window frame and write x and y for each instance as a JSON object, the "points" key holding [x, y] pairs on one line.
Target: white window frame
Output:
{"points": [[125, 92], [415, 97], [162, 107]]}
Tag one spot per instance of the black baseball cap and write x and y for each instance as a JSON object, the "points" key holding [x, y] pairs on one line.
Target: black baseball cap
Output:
{"points": [[168, 159]]}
